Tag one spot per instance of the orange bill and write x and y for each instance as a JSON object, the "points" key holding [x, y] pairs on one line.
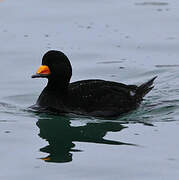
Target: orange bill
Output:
{"points": [[43, 71]]}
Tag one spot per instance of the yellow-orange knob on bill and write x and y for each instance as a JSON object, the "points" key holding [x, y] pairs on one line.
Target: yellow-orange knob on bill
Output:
{"points": [[46, 159], [43, 70]]}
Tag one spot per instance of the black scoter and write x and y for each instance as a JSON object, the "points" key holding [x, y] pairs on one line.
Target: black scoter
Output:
{"points": [[93, 97]]}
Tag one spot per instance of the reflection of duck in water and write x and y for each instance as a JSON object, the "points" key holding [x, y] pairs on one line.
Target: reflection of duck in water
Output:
{"points": [[92, 97], [61, 135]]}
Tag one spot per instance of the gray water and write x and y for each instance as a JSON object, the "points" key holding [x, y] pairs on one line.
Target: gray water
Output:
{"points": [[126, 41]]}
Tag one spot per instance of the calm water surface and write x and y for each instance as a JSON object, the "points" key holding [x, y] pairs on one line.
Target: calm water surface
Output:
{"points": [[129, 42]]}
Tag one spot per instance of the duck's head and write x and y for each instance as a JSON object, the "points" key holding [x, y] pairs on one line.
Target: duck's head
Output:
{"points": [[55, 67]]}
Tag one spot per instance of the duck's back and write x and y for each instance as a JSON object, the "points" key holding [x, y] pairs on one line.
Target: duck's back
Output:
{"points": [[101, 98]]}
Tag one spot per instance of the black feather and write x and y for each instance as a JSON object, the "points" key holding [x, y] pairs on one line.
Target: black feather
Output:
{"points": [[92, 97]]}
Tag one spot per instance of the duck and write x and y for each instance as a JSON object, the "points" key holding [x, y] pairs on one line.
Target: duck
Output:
{"points": [[90, 97]]}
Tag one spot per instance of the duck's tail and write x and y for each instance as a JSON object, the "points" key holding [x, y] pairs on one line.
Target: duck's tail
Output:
{"points": [[143, 89]]}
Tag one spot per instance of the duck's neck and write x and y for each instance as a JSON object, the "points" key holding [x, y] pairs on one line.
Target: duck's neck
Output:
{"points": [[60, 87], [54, 95]]}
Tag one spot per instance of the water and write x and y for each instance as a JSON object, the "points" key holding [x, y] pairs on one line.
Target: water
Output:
{"points": [[129, 42]]}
